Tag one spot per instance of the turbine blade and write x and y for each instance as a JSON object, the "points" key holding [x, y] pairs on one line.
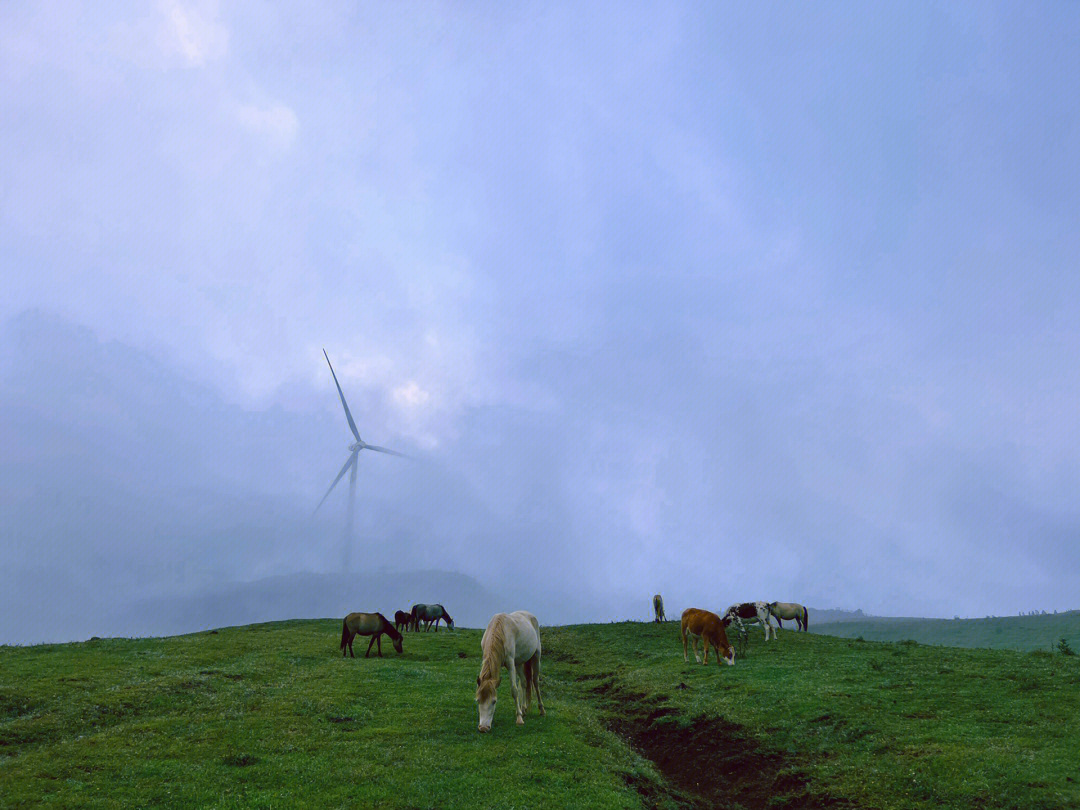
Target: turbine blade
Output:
{"points": [[352, 424], [351, 460], [385, 450]]}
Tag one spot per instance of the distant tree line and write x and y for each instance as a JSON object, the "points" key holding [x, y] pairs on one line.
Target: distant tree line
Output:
{"points": [[1021, 613]]}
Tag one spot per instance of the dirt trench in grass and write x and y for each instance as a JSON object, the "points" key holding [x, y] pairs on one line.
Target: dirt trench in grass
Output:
{"points": [[711, 763]]}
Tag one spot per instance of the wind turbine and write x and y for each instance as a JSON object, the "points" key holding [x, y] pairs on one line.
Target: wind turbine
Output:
{"points": [[350, 463]]}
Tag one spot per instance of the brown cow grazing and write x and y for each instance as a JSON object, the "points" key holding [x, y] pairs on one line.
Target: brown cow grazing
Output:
{"points": [[709, 627]]}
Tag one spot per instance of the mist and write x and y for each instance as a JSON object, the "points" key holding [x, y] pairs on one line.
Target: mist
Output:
{"points": [[691, 300]]}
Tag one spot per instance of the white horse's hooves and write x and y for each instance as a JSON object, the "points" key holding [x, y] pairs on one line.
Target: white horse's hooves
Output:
{"points": [[542, 712], [520, 721]]}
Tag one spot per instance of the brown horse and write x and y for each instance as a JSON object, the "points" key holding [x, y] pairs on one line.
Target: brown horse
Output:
{"points": [[367, 624], [707, 626], [402, 620], [428, 614]]}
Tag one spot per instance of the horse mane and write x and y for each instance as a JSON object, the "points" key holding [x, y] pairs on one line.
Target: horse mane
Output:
{"points": [[388, 628], [494, 650]]}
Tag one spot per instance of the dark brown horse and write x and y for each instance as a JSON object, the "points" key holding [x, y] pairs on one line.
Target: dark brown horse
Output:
{"points": [[429, 614], [402, 620], [367, 624]]}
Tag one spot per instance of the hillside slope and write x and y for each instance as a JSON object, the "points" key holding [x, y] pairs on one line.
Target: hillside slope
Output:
{"points": [[272, 715], [1000, 632]]}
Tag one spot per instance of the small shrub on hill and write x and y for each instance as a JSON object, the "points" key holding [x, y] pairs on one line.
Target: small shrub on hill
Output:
{"points": [[1064, 648]]}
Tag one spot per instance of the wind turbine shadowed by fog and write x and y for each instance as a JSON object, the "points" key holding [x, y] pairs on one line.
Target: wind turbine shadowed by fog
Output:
{"points": [[350, 465]]}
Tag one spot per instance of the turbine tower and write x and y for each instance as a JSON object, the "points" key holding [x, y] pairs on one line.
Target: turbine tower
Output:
{"points": [[350, 465]]}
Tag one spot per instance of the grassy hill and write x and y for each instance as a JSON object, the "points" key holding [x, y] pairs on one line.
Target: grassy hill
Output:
{"points": [[1001, 632], [271, 715]]}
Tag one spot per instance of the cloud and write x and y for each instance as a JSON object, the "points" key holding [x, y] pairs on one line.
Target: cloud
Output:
{"points": [[410, 395], [276, 123], [192, 32]]}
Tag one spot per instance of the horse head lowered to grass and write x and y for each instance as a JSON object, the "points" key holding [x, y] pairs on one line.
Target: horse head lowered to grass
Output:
{"points": [[744, 613], [511, 640], [429, 614], [710, 629], [367, 624]]}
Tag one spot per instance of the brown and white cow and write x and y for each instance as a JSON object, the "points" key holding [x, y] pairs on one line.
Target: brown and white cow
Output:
{"points": [[707, 626], [745, 613]]}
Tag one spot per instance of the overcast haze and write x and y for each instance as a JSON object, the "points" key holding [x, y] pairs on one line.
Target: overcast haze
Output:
{"points": [[722, 301]]}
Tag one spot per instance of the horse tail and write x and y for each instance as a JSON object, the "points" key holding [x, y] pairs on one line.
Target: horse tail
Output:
{"points": [[805, 618], [344, 633]]}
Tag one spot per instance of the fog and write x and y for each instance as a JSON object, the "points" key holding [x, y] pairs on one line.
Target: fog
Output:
{"points": [[722, 303]]}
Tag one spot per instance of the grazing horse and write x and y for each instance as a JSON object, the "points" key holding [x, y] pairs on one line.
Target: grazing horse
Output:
{"points": [[402, 620], [428, 614], [367, 624], [658, 609], [790, 610], [707, 626], [512, 640], [750, 613]]}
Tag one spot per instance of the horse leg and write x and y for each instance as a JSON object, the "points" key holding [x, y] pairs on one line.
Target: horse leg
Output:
{"points": [[705, 646], [378, 643], [684, 657], [515, 689], [524, 682], [351, 653], [436, 625], [536, 683], [694, 642], [369, 646]]}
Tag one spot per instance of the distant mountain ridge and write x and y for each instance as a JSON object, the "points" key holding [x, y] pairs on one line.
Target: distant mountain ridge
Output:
{"points": [[293, 596]]}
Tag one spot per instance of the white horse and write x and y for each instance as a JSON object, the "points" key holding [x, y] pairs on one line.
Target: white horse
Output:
{"points": [[790, 610], [512, 640], [751, 613], [658, 609]]}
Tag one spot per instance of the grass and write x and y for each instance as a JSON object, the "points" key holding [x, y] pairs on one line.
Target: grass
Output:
{"points": [[1026, 633], [270, 715]]}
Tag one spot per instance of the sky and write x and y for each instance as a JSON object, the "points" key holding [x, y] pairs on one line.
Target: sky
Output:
{"points": [[723, 301]]}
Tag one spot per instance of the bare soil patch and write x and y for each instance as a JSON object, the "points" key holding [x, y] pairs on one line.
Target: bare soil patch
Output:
{"points": [[710, 762]]}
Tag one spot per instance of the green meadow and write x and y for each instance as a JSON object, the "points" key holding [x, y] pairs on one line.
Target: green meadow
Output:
{"points": [[271, 715], [1042, 632]]}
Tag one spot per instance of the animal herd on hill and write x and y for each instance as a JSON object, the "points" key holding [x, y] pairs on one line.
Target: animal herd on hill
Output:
{"points": [[711, 630], [376, 625], [512, 642]]}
